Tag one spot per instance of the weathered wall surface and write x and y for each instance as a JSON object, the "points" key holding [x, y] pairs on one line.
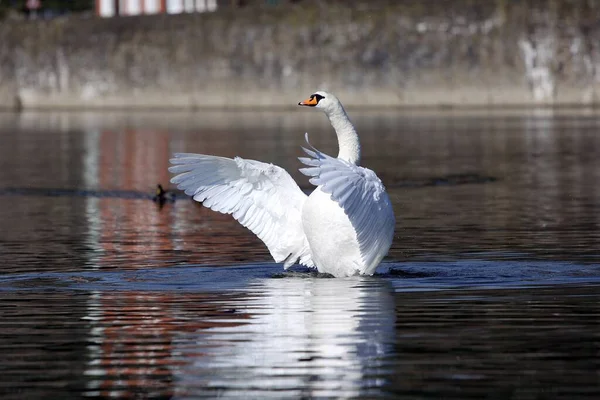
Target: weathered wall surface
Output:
{"points": [[463, 52]]}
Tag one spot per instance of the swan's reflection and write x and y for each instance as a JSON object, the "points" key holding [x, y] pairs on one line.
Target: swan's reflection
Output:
{"points": [[280, 337], [307, 337]]}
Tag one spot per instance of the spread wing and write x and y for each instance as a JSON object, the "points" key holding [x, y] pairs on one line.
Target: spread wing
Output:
{"points": [[262, 197], [360, 193]]}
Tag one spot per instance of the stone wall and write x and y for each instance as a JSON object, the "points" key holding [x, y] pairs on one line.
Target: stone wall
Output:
{"points": [[371, 53]]}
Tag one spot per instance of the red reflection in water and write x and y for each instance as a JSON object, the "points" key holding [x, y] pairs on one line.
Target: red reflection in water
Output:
{"points": [[139, 233], [136, 334]]}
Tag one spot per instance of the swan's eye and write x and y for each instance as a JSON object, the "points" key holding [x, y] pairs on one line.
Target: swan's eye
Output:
{"points": [[316, 97]]}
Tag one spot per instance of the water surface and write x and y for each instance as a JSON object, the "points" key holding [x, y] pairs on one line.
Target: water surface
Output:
{"points": [[491, 288]]}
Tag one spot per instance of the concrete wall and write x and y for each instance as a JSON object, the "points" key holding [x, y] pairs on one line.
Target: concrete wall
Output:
{"points": [[392, 53]]}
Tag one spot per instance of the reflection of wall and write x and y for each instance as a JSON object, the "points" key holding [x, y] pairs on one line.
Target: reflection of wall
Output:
{"points": [[136, 233], [135, 338], [37, 232], [545, 200], [543, 203], [127, 159]]}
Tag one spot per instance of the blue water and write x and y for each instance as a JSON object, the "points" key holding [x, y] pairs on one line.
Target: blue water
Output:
{"points": [[403, 277]]}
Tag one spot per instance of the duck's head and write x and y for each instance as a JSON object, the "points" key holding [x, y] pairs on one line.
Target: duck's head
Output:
{"points": [[323, 100]]}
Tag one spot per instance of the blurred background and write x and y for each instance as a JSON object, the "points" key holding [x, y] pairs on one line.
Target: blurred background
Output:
{"points": [[262, 53]]}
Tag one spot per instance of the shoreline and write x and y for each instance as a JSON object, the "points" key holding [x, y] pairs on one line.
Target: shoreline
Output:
{"points": [[497, 54]]}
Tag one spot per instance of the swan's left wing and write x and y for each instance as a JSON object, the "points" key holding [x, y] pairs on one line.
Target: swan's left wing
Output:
{"points": [[360, 193], [262, 197]]}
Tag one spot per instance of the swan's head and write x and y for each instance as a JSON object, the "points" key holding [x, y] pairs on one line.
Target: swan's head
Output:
{"points": [[323, 100]]}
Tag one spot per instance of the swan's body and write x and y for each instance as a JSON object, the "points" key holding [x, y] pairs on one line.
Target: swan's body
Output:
{"points": [[331, 236], [345, 227]]}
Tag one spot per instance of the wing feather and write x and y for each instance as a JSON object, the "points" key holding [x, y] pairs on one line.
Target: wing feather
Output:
{"points": [[262, 197], [360, 193]]}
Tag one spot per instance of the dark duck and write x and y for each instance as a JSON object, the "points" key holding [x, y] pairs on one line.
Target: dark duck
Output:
{"points": [[163, 196]]}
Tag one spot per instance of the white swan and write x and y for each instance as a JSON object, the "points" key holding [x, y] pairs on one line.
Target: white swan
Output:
{"points": [[345, 227]]}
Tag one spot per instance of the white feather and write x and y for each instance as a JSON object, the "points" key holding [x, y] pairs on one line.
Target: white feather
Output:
{"points": [[262, 197], [362, 196]]}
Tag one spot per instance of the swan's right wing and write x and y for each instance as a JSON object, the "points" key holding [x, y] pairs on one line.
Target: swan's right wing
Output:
{"points": [[262, 197], [362, 196]]}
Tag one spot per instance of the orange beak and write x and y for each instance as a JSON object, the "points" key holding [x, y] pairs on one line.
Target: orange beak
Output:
{"points": [[310, 102]]}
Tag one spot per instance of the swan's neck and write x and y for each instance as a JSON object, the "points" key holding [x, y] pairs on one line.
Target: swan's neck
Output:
{"points": [[346, 134]]}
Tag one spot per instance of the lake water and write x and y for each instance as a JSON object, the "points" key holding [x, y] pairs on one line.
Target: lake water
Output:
{"points": [[491, 288]]}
